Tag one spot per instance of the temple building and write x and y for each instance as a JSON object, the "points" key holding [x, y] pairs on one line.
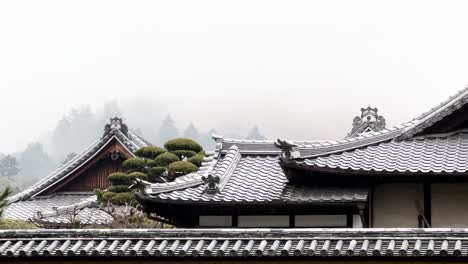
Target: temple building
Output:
{"points": [[67, 194], [381, 194], [413, 175]]}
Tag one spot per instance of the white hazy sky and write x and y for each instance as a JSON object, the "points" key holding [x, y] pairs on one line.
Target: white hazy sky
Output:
{"points": [[298, 69]]}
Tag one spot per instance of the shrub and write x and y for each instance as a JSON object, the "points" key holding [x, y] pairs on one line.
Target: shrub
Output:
{"points": [[203, 153], [119, 178], [149, 152], [184, 153], [123, 198], [154, 174], [99, 193], [181, 168], [166, 159], [134, 164], [151, 163], [196, 160], [182, 144], [108, 196], [118, 188], [137, 175]]}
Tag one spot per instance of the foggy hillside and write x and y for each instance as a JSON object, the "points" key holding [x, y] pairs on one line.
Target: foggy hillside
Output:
{"points": [[82, 125]]}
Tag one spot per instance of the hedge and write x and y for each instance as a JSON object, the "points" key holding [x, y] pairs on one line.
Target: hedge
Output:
{"points": [[119, 178], [134, 164], [196, 160], [182, 144], [181, 167], [108, 196], [137, 175], [118, 189], [151, 163], [155, 173], [123, 198], [166, 159], [184, 153], [149, 152]]}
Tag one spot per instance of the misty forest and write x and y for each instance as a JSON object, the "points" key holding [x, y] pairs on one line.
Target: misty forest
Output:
{"points": [[81, 126]]}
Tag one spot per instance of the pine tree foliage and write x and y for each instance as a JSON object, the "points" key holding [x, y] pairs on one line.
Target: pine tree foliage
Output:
{"points": [[3, 199]]}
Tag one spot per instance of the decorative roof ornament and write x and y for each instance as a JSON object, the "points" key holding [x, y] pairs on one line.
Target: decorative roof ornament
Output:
{"points": [[211, 184], [287, 149], [116, 124], [369, 121]]}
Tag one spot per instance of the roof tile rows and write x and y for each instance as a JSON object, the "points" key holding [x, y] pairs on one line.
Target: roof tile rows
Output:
{"points": [[52, 209], [236, 243], [441, 154], [260, 179]]}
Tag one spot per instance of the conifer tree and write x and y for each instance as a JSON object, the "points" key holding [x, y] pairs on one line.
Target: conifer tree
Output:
{"points": [[255, 134], [167, 130], [191, 132], [9, 166]]}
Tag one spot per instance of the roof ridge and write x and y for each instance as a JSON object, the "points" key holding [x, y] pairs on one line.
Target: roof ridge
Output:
{"points": [[437, 113], [29, 191], [69, 208], [401, 132], [432, 110], [230, 162], [442, 135]]}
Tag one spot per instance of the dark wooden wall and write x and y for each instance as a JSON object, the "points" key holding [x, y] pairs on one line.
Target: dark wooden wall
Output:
{"points": [[93, 174], [94, 177]]}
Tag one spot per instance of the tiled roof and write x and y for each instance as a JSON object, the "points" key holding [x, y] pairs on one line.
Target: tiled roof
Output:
{"points": [[237, 243], [56, 209], [256, 179], [447, 153], [403, 131], [130, 142], [437, 113], [27, 203]]}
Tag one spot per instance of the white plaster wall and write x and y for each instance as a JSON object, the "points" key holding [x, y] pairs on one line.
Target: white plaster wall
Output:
{"points": [[216, 220], [450, 205], [320, 220], [395, 206], [263, 221], [357, 222]]}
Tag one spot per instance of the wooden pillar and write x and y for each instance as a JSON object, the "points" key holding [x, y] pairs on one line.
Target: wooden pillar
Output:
{"points": [[370, 206], [349, 220], [235, 220], [428, 203], [292, 221]]}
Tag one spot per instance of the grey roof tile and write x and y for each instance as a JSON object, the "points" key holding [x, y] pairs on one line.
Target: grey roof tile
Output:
{"points": [[259, 178], [225, 243], [53, 209], [438, 154]]}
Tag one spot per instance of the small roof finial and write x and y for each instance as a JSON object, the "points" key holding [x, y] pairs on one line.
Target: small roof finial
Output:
{"points": [[369, 121], [115, 124]]}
